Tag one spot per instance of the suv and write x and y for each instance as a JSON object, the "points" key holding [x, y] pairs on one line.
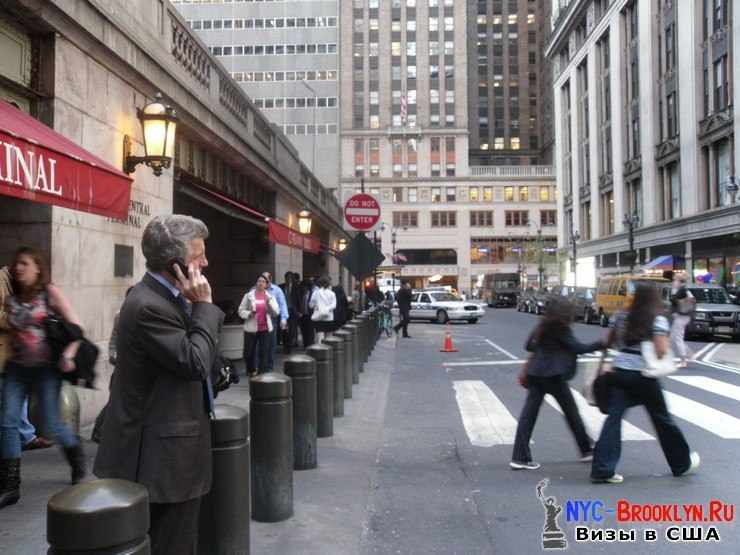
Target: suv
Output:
{"points": [[715, 313]]}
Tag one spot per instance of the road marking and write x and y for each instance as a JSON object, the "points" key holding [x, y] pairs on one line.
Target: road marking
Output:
{"points": [[487, 421], [718, 366], [710, 384], [593, 420], [484, 363], [701, 352], [507, 353], [712, 420], [710, 355]]}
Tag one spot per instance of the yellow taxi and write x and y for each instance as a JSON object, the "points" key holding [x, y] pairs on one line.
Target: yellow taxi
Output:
{"points": [[615, 293]]}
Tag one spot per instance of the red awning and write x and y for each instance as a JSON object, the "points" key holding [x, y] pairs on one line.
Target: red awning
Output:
{"points": [[282, 234], [40, 165]]}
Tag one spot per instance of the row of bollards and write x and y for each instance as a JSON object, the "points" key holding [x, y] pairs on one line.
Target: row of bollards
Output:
{"points": [[288, 412]]}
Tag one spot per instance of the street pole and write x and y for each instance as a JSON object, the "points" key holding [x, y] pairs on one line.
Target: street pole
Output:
{"points": [[541, 261], [631, 221], [393, 259], [574, 238]]}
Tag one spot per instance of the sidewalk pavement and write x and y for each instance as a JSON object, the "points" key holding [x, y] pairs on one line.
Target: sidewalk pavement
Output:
{"points": [[330, 501], [728, 354]]}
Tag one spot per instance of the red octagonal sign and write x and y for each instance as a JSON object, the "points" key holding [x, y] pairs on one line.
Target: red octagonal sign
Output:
{"points": [[362, 212]]}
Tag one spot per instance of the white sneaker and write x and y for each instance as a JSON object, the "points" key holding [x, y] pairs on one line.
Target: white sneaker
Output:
{"points": [[695, 462], [531, 465], [613, 479]]}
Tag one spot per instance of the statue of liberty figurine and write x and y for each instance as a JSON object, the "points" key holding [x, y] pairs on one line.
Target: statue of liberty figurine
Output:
{"points": [[552, 536]]}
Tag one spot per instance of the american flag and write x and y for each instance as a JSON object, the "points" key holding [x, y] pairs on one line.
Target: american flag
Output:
{"points": [[404, 110]]}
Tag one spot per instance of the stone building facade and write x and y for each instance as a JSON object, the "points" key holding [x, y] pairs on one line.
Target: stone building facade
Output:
{"points": [[84, 68], [646, 132]]}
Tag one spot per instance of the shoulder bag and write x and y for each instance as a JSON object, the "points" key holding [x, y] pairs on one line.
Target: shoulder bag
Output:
{"points": [[656, 367]]}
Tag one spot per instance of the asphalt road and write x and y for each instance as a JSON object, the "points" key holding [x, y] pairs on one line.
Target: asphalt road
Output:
{"points": [[443, 484]]}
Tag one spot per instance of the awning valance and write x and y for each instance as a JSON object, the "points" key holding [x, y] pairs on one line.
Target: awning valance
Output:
{"points": [[660, 263], [283, 235], [40, 165]]}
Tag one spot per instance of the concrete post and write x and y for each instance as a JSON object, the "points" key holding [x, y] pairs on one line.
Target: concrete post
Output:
{"points": [[360, 343], [337, 367], [349, 362], [224, 524], [322, 354], [101, 516], [356, 360], [271, 422], [302, 370]]}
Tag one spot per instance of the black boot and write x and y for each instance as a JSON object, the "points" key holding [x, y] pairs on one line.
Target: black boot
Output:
{"points": [[76, 459], [10, 482]]}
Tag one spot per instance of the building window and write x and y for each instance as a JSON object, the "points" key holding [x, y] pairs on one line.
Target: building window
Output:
{"points": [[544, 194], [450, 194], [397, 194], [632, 70], [444, 219], [634, 199], [481, 218], [607, 214], [412, 194], [605, 144], [405, 219], [517, 218], [435, 158], [567, 140], [411, 157], [436, 194], [586, 220], [548, 217], [374, 158], [509, 194], [397, 158], [359, 158], [473, 194], [583, 124], [523, 194]]}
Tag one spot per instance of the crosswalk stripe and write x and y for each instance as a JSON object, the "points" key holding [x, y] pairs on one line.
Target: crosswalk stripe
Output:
{"points": [[486, 419], [593, 420], [711, 385], [698, 414]]}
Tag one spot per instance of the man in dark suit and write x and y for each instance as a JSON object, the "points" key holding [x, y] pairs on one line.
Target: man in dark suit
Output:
{"points": [[292, 291], [404, 308], [157, 429]]}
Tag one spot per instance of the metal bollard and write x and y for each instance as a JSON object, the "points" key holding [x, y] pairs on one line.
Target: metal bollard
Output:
{"points": [[360, 340], [348, 366], [322, 354], [337, 366], [271, 422], [356, 360], [302, 370], [224, 528], [365, 323], [100, 516]]}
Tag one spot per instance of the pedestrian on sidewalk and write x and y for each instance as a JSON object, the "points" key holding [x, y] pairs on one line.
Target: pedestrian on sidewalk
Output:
{"points": [[308, 289], [322, 304], [279, 320], [32, 366], [628, 388], [342, 312], [357, 300], [404, 309], [258, 309], [554, 351], [157, 429], [292, 291], [683, 304]]}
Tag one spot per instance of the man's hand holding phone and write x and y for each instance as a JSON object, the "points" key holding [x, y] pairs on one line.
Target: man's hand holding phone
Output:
{"points": [[194, 286]]}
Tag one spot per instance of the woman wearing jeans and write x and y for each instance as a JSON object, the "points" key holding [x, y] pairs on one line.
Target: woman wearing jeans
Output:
{"points": [[31, 368], [628, 388], [257, 310]]}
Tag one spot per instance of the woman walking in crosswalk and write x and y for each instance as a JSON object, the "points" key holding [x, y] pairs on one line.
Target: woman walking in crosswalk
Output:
{"points": [[552, 364], [629, 387]]}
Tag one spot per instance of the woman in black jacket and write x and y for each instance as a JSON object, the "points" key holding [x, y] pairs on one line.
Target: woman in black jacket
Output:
{"points": [[548, 370]]}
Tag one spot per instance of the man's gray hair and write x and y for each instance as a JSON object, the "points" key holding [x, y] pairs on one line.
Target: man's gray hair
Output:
{"points": [[167, 237]]}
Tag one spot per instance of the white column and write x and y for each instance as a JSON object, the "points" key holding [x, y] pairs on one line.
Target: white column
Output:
{"points": [[594, 91], [648, 106], [690, 97], [616, 74]]}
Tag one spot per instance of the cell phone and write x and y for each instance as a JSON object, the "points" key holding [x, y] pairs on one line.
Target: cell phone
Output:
{"points": [[180, 263]]}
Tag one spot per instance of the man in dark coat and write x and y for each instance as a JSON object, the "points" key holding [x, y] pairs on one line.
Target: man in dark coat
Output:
{"points": [[404, 308], [157, 429], [293, 297]]}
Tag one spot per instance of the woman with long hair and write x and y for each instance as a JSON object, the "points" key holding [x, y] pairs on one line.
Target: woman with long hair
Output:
{"points": [[643, 321], [33, 367], [323, 304], [552, 364], [257, 309]]}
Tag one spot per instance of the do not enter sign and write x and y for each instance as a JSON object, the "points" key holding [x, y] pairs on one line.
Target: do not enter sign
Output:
{"points": [[362, 212]]}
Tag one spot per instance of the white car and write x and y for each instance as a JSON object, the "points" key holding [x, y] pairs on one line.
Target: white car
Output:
{"points": [[441, 306]]}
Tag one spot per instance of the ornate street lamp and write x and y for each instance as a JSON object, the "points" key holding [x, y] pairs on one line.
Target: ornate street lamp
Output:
{"points": [[631, 222], [158, 123], [304, 221]]}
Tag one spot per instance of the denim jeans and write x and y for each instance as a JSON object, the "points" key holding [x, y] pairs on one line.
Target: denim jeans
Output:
{"points": [[558, 387], [19, 382], [273, 343], [25, 428], [256, 347], [629, 389]]}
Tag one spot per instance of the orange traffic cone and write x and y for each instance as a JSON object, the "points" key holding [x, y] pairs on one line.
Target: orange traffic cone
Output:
{"points": [[448, 348]]}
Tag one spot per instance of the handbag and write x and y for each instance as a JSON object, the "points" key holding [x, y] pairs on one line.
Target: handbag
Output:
{"points": [[656, 367], [590, 372], [600, 386]]}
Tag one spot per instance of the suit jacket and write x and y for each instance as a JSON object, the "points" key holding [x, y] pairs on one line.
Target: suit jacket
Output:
{"points": [[404, 300], [293, 298], [556, 354], [157, 431]]}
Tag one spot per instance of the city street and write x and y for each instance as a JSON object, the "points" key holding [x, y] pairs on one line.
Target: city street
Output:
{"points": [[444, 485]]}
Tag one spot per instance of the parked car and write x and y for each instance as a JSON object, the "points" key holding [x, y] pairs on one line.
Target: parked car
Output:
{"points": [[583, 299], [715, 313], [539, 301], [441, 306], [615, 293]]}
